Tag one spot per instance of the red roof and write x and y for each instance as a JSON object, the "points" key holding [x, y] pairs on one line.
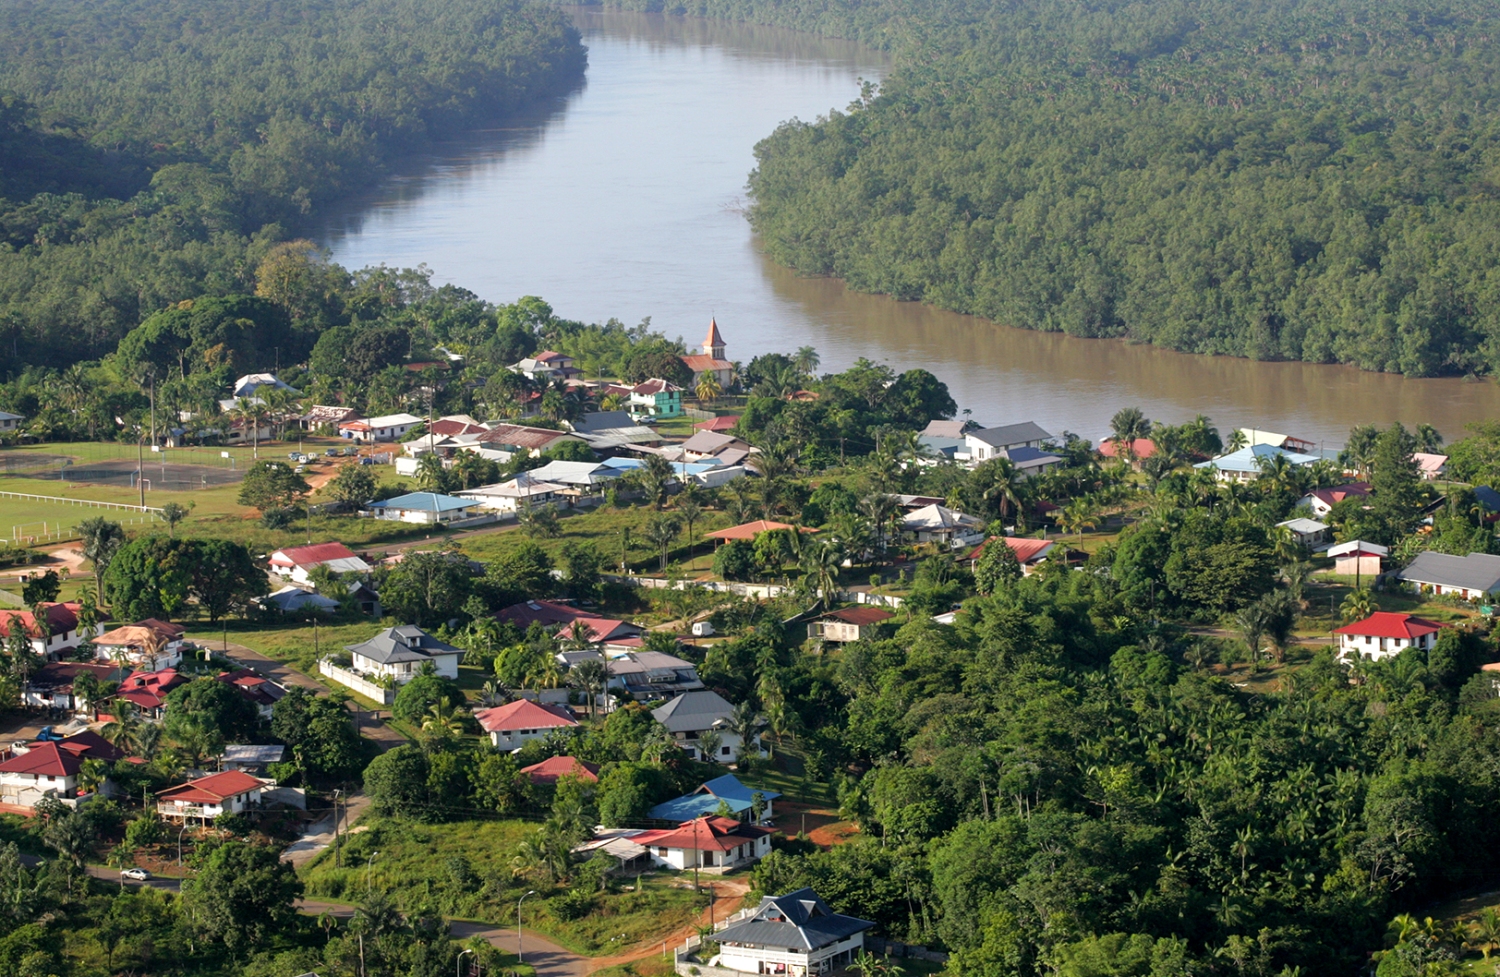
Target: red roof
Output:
{"points": [[447, 428], [718, 424], [43, 759], [654, 386], [548, 355], [750, 530], [713, 340], [212, 789], [521, 436], [709, 833], [524, 714], [1026, 548], [861, 615], [551, 770], [89, 745], [61, 617], [1390, 624], [1142, 447], [148, 690], [1337, 494], [700, 363], [303, 556]]}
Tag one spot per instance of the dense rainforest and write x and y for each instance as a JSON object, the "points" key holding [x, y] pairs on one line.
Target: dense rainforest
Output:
{"points": [[1279, 179], [150, 150]]}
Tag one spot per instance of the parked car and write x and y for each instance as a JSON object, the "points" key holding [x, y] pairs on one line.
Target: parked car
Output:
{"points": [[138, 874], [367, 461], [300, 469], [48, 734], [331, 452]]}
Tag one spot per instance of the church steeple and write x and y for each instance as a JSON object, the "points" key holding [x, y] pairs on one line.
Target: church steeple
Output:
{"points": [[713, 345]]}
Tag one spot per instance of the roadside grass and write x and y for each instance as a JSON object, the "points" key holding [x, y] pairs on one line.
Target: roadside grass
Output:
{"points": [[465, 870], [289, 642], [655, 965]]}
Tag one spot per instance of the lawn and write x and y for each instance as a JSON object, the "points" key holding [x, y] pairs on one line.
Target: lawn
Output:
{"points": [[289, 642], [465, 870]]}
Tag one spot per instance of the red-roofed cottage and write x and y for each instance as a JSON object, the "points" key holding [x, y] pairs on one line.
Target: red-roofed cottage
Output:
{"points": [[848, 623], [62, 627], [1028, 551], [515, 724], [296, 562], [43, 769], [710, 842], [230, 792], [148, 690], [1385, 634], [553, 769]]}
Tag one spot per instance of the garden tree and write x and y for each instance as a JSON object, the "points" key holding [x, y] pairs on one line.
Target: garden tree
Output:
{"points": [[205, 714], [240, 331], [591, 677], [271, 485], [570, 451], [1127, 426], [421, 694], [655, 477], [43, 587], [997, 567], [539, 521], [661, 532], [522, 572], [396, 782], [1359, 450], [1476, 458], [432, 476], [1395, 484], [242, 895], [772, 550], [149, 577], [174, 512], [222, 575], [354, 485], [100, 539], [499, 784], [319, 733], [428, 587], [657, 359]]}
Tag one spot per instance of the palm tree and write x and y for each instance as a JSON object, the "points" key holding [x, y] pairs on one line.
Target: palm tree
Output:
{"points": [[707, 389], [1237, 440], [250, 411], [591, 677], [1297, 576], [878, 507], [1129, 424], [1430, 440], [1357, 606], [101, 539], [431, 475], [122, 730], [661, 532], [1484, 933], [443, 720], [745, 723], [807, 360], [1077, 516], [1251, 621], [709, 742], [655, 476], [689, 511], [174, 512], [1002, 487], [91, 774], [821, 563]]}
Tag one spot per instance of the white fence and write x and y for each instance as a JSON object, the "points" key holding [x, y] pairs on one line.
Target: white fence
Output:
{"points": [[89, 503], [759, 591], [353, 680]]}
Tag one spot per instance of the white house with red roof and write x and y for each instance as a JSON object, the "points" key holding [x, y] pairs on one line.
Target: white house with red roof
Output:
{"points": [[259, 691], [296, 562], [612, 633], [147, 691], [709, 842], [1029, 552], [553, 769], [1385, 634], [230, 792], [41, 770], [63, 629], [515, 724], [656, 398]]}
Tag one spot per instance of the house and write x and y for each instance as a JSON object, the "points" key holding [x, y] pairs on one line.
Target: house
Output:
{"points": [[1385, 634], [296, 600], [401, 652], [323, 415], [947, 429], [230, 792], [252, 384], [1470, 577], [1029, 552], [296, 562], [1308, 532], [63, 630], [1321, 501], [259, 691], [148, 644], [657, 398], [937, 523], [51, 686], [707, 843], [252, 756], [712, 444], [515, 724], [647, 676], [546, 366], [610, 430], [711, 360], [707, 799], [506, 441], [387, 427], [990, 442], [750, 530], [1431, 466], [1357, 558], [553, 769], [576, 477], [848, 623], [10, 422], [424, 508], [692, 714], [1253, 437], [147, 690], [1139, 450], [40, 770], [796, 934], [718, 425], [521, 492], [1245, 464], [456, 426]]}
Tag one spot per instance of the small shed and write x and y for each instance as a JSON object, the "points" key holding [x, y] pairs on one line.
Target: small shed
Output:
{"points": [[1308, 532], [1358, 558]]}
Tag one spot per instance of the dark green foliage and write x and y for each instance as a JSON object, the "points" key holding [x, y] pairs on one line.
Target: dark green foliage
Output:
{"points": [[735, 560], [271, 485], [41, 587], [206, 710], [319, 734], [244, 333], [396, 782], [421, 694], [241, 895], [149, 577], [427, 587], [223, 576]]}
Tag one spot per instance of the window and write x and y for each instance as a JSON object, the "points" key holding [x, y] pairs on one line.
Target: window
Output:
{"points": [[662, 851], [724, 750]]}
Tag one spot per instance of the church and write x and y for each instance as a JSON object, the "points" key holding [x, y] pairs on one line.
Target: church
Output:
{"points": [[711, 360]]}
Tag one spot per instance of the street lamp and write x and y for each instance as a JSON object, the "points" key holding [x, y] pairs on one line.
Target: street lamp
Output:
{"points": [[336, 792], [520, 958], [459, 963], [367, 870]]}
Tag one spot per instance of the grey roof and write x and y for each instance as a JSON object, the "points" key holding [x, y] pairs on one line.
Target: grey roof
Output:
{"points": [[693, 712], [407, 643], [1009, 434], [710, 442], [945, 429], [254, 754], [602, 421], [799, 920], [1477, 571], [1300, 525], [1487, 497]]}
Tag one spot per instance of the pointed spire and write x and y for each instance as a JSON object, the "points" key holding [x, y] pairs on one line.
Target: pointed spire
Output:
{"points": [[714, 344]]}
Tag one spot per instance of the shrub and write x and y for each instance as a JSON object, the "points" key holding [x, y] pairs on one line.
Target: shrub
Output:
{"points": [[571, 905], [735, 560]]}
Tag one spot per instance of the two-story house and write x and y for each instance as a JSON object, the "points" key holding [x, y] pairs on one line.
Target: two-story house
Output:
{"points": [[797, 935], [711, 842], [1385, 634], [148, 645], [230, 792], [693, 714], [657, 398], [62, 627]]}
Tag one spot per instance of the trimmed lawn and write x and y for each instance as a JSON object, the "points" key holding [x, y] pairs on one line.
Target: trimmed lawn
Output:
{"points": [[291, 643], [465, 870]]}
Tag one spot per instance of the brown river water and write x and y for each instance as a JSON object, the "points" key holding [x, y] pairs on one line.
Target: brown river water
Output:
{"points": [[624, 199]]}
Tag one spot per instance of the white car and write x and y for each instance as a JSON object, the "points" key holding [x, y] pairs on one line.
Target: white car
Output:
{"points": [[136, 874]]}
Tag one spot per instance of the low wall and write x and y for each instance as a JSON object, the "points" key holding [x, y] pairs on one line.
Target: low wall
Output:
{"points": [[358, 683]]}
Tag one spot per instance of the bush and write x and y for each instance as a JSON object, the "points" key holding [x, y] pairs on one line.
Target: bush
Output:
{"points": [[421, 694], [277, 518], [571, 905], [735, 560]]}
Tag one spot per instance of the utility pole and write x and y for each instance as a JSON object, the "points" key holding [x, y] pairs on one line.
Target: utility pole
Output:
{"points": [[140, 472]]}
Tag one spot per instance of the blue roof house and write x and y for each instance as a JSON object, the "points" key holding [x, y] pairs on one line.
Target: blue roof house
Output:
{"points": [[1244, 465], [425, 508], [707, 798]]}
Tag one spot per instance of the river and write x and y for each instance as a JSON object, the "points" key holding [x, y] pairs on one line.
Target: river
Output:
{"points": [[624, 199]]}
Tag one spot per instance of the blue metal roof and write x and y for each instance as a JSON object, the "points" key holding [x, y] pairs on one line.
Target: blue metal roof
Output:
{"points": [[424, 502], [1248, 459], [706, 799]]}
